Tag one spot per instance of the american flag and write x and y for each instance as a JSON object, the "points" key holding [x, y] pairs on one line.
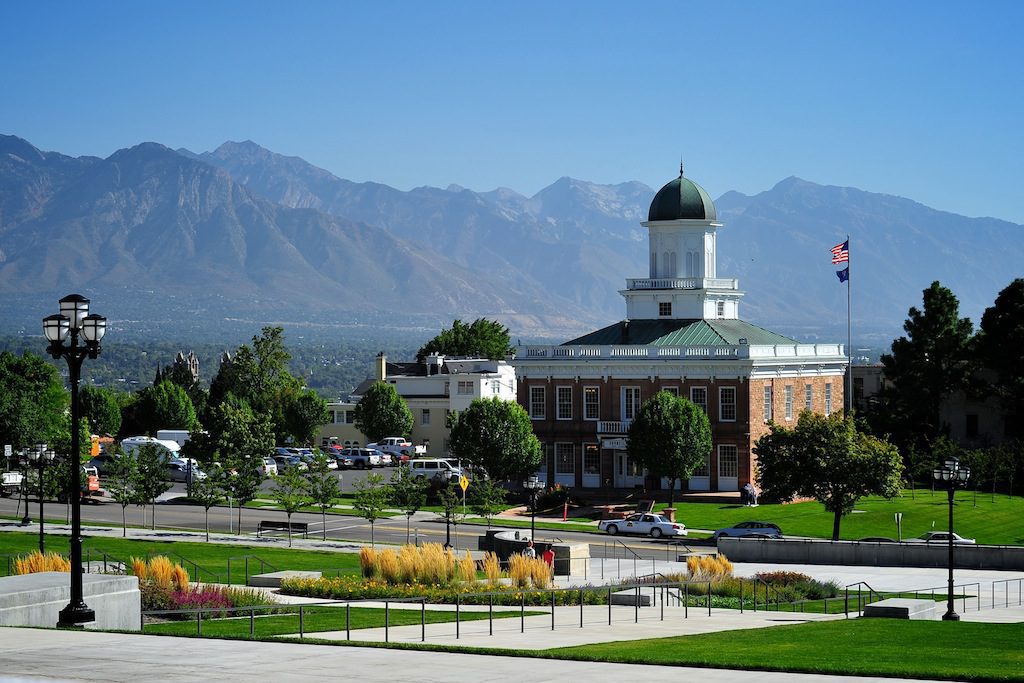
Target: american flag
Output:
{"points": [[841, 252]]}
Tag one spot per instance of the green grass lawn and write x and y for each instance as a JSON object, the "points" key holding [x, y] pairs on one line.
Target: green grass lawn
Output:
{"points": [[990, 520], [315, 619], [883, 647], [211, 557]]}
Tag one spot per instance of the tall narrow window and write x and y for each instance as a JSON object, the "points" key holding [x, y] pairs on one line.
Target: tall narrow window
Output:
{"points": [[425, 416], [630, 402], [565, 458], [828, 399], [767, 403], [591, 403], [728, 461], [591, 459], [564, 403], [727, 404], [808, 397], [789, 402], [720, 307], [538, 410], [699, 395]]}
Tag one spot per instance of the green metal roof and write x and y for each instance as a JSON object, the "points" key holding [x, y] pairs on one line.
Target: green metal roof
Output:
{"points": [[681, 199], [690, 332]]}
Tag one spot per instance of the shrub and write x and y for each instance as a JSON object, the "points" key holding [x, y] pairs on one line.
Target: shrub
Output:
{"points": [[553, 496], [492, 569], [36, 562]]}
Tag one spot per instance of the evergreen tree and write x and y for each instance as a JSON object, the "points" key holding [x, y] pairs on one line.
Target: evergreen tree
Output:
{"points": [[1002, 328]]}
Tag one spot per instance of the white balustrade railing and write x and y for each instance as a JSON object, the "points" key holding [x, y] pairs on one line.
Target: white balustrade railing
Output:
{"points": [[682, 283], [732, 352]]}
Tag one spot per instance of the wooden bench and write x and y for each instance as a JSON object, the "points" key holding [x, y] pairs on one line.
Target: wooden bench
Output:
{"points": [[294, 527]]}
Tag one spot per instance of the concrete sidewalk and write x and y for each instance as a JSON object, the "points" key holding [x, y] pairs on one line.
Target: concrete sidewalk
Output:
{"points": [[37, 654]]}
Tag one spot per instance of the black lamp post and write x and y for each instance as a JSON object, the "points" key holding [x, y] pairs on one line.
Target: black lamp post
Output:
{"points": [[534, 485], [42, 457], [62, 331], [954, 474]]}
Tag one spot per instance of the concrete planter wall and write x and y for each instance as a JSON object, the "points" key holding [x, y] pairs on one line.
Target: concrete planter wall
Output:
{"points": [[853, 553], [570, 558], [37, 599]]}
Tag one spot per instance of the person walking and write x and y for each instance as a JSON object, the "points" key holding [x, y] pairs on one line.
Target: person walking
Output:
{"points": [[529, 550]]}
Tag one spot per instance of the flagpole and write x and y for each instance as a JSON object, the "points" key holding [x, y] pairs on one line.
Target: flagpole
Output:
{"points": [[849, 335]]}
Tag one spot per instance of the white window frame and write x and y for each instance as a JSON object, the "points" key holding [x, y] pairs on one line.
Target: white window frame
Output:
{"points": [[789, 401], [734, 458], [722, 404], [565, 453], [674, 390], [720, 309], [561, 392], [769, 395], [627, 403], [704, 469], [538, 403], [465, 387], [425, 416], [703, 404], [664, 309], [828, 399], [591, 459], [591, 408], [808, 397]]}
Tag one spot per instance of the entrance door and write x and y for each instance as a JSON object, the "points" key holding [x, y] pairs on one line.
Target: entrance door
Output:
{"points": [[728, 469], [628, 474]]}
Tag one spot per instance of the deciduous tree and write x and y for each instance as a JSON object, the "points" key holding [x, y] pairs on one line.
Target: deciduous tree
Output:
{"points": [[408, 494], [482, 338], [289, 493], [381, 412], [322, 487], [496, 435], [671, 437], [152, 476], [827, 459], [370, 499], [102, 408]]}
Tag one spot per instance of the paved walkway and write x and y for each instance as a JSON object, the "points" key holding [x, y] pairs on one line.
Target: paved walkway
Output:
{"points": [[37, 654]]}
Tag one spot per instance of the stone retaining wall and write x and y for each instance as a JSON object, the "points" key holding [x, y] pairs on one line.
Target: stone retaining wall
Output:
{"points": [[37, 599]]}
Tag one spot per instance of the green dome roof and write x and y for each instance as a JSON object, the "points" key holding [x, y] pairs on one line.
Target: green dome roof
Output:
{"points": [[681, 199]]}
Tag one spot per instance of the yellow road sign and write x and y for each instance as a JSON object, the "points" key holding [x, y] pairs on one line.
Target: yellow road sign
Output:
{"points": [[464, 483]]}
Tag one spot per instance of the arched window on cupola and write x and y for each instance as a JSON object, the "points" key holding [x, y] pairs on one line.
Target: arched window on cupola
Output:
{"points": [[673, 266], [666, 271], [654, 264]]}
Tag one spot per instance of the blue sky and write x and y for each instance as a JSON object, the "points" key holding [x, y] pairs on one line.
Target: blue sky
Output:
{"points": [[919, 99]]}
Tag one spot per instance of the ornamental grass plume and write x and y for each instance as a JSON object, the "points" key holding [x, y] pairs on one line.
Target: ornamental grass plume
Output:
{"points": [[435, 564], [410, 563], [519, 570], [179, 578], [492, 569], [708, 567], [368, 562], [467, 569], [161, 572], [36, 562], [388, 567], [140, 569], [540, 572]]}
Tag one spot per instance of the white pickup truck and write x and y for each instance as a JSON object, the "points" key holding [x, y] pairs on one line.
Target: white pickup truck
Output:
{"points": [[10, 483], [400, 449]]}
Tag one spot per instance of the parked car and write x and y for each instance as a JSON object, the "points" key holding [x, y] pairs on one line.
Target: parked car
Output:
{"points": [[644, 524], [400, 449], [749, 529], [309, 458], [942, 538], [439, 471], [286, 462], [876, 539], [268, 468], [362, 458], [178, 470]]}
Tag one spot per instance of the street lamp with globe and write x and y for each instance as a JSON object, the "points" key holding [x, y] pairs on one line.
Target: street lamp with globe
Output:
{"points": [[534, 485], [955, 475], [74, 334]]}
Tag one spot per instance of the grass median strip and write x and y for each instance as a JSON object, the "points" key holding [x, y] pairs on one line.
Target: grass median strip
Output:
{"points": [[317, 619], [882, 647]]}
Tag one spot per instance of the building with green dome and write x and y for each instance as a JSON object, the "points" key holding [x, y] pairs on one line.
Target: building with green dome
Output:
{"points": [[681, 333]]}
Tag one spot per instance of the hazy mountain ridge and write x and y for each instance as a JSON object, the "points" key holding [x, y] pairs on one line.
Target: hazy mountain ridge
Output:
{"points": [[150, 217], [248, 231]]}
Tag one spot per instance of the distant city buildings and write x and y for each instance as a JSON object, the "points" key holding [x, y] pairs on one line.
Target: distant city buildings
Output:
{"points": [[682, 333]]}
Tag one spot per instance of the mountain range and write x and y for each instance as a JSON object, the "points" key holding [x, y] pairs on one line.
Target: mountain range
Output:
{"points": [[244, 234]]}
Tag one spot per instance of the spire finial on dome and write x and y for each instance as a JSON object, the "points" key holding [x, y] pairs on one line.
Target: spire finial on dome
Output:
{"points": [[680, 165]]}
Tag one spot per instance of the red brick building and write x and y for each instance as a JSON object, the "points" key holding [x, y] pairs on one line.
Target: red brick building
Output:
{"points": [[682, 333]]}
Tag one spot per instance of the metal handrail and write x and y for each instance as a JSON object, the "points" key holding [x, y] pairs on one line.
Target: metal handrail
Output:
{"points": [[1006, 591], [264, 565]]}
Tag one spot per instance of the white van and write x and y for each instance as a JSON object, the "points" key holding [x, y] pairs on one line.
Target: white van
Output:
{"points": [[179, 436], [435, 469], [131, 445]]}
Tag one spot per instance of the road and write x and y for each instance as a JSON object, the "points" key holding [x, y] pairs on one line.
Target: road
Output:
{"points": [[426, 528]]}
